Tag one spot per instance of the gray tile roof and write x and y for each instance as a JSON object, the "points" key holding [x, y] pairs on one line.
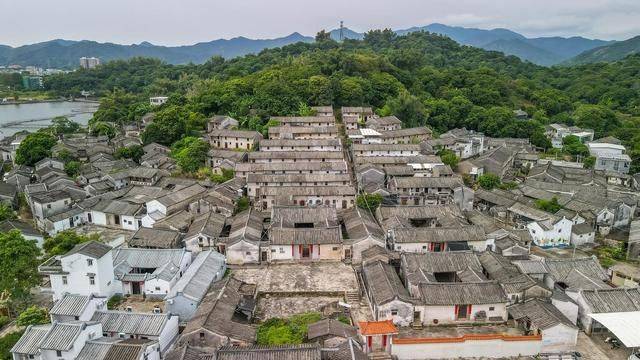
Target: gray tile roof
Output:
{"points": [[70, 305], [62, 336], [154, 238], [439, 234], [383, 283], [29, 343], [331, 327], [462, 293], [612, 300], [144, 324], [195, 282], [273, 352], [91, 248], [301, 236]]}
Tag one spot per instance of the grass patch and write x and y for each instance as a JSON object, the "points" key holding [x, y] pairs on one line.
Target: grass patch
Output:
{"points": [[286, 331], [609, 255]]}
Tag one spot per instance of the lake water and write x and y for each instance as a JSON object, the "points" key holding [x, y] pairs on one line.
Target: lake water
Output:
{"points": [[31, 117]]}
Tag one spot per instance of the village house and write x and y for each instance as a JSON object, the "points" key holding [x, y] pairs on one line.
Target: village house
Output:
{"points": [[223, 316], [331, 333], [298, 233], [386, 123], [386, 149], [186, 295], [333, 167], [559, 334], [450, 266], [361, 232], [323, 110], [129, 349], [388, 298], [221, 122], [294, 156], [301, 145], [557, 133], [303, 132], [460, 302], [342, 196], [205, 232], [610, 157], [258, 182], [87, 269], [425, 239], [422, 190], [625, 275], [25, 228], [574, 274], [464, 143], [152, 272], [243, 246], [55, 341], [48, 203], [76, 307], [234, 139], [162, 328], [154, 238], [407, 136], [305, 120], [171, 203], [602, 301], [362, 135]]}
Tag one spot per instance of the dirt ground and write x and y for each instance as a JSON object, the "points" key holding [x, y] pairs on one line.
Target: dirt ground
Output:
{"points": [[139, 305], [321, 277]]}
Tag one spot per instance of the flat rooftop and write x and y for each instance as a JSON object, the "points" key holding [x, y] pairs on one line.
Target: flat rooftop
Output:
{"points": [[457, 331], [328, 278]]}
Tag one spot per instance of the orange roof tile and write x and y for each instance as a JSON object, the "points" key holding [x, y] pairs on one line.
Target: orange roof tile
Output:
{"points": [[377, 327]]}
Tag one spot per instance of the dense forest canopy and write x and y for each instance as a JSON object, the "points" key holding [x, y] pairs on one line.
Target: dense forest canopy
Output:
{"points": [[424, 79]]}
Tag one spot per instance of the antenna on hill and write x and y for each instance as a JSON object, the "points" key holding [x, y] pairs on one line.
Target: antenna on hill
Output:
{"points": [[341, 30]]}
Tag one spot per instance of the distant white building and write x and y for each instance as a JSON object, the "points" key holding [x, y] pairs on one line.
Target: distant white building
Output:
{"points": [[158, 100], [89, 62]]}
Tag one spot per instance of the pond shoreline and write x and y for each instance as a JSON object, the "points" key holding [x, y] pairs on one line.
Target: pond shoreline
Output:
{"points": [[20, 102]]}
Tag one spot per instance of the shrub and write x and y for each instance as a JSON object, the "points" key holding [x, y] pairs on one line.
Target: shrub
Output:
{"points": [[114, 302], [33, 315], [286, 331]]}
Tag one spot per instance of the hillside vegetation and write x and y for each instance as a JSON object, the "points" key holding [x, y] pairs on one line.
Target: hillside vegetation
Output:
{"points": [[422, 78]]}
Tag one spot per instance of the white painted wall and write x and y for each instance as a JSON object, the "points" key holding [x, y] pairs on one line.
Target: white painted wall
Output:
{"points": [[468, 349]]}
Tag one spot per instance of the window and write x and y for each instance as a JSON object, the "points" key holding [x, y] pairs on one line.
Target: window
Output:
{"points": [[335, 248], [58, 353], [394, 312], [491, 308], [92, 280], [157, 288], [89, 262], [48, 206], [64, 280], [201, 335], [248, 253]]}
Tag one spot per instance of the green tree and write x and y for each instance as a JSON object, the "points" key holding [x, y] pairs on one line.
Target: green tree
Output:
{"points": [[72, 168], [7, 342], [133, 152], [6, 212], [551, 206], [322, 35], [62, 125], [103, 128], [190, 153], [407, 108], [33, 315], [168, 126], [489, 181], [369, 201], [448, 157], [64, 241], [572, 145], [589, 162], [19, 260], [34, 148], [597, 117], [226, 175]]}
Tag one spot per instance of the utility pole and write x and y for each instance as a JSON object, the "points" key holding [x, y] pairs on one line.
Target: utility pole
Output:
{"points": [[341, 30]]}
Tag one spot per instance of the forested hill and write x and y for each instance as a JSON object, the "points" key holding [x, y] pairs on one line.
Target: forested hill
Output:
{"points": [[608, 53], [424, 79], [65, 53]]}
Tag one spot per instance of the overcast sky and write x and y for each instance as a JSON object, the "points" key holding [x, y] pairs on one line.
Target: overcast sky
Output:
{"points": [[178, 22]]}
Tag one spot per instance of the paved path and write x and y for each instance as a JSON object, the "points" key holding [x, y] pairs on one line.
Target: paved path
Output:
{"points": [[590, 351]]}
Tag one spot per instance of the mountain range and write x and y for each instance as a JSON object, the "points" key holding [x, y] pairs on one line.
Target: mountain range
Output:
{"points": [[542, 50]]}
